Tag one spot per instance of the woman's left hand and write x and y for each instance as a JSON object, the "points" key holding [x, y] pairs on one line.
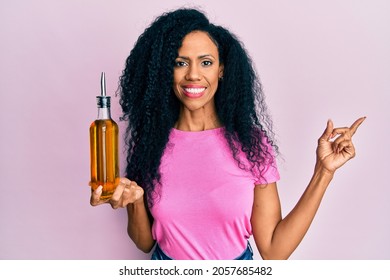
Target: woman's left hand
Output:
{"points": [[335, 145]]}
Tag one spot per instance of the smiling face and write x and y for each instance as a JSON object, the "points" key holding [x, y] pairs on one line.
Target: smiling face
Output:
{"points": [[196, 73]]}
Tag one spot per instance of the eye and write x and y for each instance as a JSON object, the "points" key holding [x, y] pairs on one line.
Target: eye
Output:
{"points": [[207, 63], [180, 63]]}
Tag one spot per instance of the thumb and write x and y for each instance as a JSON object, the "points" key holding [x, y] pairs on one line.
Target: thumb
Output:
{"points": [[328, 131], [95, 197]]}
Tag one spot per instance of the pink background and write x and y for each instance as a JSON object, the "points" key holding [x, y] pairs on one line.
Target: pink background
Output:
{"points": [[316, 59]]}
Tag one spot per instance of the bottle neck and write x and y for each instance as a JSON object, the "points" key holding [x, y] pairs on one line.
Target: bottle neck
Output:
{"points": [[104, 113]]}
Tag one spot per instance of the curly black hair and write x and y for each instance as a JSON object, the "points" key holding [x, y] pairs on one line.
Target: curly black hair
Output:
{"points": [[152, 109]]}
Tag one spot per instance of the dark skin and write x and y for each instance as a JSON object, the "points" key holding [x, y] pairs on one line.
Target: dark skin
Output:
{"points": [[197, 70], [276, 238]]}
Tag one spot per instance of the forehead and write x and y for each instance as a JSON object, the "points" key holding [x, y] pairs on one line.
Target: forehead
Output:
{"points": [[198, 42]]}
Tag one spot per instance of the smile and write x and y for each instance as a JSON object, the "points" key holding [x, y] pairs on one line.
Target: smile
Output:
{"points": [[194, 92]]}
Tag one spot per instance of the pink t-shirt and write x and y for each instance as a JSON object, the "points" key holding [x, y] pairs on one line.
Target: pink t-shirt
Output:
{"points": [[205, 202]]}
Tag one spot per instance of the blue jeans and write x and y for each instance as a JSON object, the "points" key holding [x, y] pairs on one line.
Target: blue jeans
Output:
{"points": [[158, 254]]}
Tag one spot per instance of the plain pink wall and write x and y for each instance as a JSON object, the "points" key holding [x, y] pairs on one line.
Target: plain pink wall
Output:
{"points": [[316, 61]]}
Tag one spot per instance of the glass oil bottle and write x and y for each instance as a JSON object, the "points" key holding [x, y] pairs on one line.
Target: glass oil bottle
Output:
{"points": [[104, 147]]}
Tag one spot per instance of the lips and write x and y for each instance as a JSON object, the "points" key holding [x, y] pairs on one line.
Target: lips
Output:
{"points": [[194, 91]]}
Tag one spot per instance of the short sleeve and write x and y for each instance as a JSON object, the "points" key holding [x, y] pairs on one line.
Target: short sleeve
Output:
{"points": [[268, 172]]}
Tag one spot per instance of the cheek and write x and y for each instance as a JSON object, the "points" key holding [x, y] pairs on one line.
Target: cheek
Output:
{"points": [[177, 77], [215, 79], [176, 88], [175, 83]]}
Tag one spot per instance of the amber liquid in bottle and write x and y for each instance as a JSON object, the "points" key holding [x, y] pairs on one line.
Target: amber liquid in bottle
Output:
{"points": [[104, 149]]}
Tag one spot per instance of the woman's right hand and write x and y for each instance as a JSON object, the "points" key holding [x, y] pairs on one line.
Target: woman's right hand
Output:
{"points": [[125, 193]]}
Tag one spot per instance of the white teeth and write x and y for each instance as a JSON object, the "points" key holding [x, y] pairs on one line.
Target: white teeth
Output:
{"points": [[194, 90]]}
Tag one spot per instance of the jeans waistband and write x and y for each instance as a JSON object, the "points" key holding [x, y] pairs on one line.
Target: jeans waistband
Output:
{"points": [[159, 254]]}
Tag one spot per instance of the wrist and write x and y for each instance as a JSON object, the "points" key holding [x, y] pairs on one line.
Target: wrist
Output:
{"points": [[136, 203], [322, 171], [139, 201]]}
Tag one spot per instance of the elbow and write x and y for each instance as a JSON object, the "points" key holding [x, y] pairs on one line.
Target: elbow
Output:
{"points": [[145, 249], [143, 244], [269, 257], [273, 255]]}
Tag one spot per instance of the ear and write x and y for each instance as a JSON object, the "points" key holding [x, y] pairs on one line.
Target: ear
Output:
{"points": [[220, 74]]}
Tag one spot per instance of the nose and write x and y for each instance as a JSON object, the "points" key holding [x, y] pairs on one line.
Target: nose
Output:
{"points": [[193, 73]]}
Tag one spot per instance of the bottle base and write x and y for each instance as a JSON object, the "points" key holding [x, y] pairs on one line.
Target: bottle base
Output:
{"points": [[106, 195], [108, 189]]}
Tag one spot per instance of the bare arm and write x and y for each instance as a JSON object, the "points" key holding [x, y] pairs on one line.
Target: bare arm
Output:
{"points": [[128, 194], [277, 238], [139, 225]]}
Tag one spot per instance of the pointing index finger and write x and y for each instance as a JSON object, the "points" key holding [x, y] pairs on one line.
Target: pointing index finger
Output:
{"points": [[356, 124]]}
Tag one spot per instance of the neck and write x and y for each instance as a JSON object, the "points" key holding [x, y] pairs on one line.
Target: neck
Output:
{"points": [[198, 120]]}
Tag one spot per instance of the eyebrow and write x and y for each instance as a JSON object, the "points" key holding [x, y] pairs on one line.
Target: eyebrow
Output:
{"points": [[199, 57]]}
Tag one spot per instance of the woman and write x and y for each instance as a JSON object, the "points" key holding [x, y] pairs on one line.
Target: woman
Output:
{"points": [[201, 173]]}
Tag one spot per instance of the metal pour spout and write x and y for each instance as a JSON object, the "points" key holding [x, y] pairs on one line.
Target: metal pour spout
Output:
{"points": [[103, 84]]}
